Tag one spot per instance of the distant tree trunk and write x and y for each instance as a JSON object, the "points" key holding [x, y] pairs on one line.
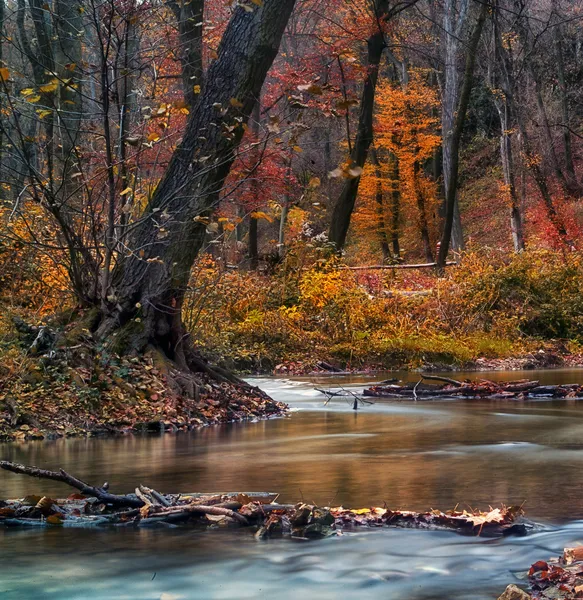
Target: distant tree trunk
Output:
{"points": [[253, 249], [285, 210], [455, 17], [190, 18], [395, 178], [531, 160], [569, 186], [126, 106], [380, 202], [549, 147], [152, 281], [507, 158], [504, 101], [68, 59], [572, 181], [422, 216], [452, 167], [344, 206], [3, 177], [82, 266]]}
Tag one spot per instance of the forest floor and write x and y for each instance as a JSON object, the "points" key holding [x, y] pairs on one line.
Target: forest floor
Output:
{"points": [[78, 388]]}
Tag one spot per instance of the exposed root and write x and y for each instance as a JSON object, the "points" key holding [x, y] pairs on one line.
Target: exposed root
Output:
{"points": [[81, 385]]}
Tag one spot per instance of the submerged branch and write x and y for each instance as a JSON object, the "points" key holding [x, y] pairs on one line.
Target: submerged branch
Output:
{"points": [[148, 507]]}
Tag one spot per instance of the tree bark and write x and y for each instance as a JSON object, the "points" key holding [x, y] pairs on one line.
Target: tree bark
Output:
{"points": [[422, 217], [572, 182], [395, 178], [253, 247], [532, 162], [460, 119], [190, 18], [502, 69], [150, 282], [455, 17], [344, 206], [380, 203]]}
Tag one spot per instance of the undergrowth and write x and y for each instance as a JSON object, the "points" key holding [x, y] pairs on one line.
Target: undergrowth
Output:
{"points": [[490, 306]]}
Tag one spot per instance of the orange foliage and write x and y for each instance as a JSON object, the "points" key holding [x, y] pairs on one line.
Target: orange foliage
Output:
{"points": [[407, 125]]}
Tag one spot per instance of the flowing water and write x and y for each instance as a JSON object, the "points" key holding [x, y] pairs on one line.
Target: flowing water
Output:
{"points": [[410, 455]]}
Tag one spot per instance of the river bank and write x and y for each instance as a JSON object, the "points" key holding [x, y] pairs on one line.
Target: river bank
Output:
{"points": [[550, 357]]}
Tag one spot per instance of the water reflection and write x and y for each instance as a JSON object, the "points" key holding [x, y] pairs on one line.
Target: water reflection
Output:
{"points": [[413, 455]]}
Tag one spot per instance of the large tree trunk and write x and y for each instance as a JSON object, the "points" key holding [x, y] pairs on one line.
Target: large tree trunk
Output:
{"points": [[460, 117], [148, 285], [344, 207]]}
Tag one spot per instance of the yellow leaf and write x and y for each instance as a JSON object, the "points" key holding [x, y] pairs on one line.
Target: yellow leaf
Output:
{"points": [[196, 89], [261, 215], [33, 99], [125, 192], [44, 113], [49, 87], [236, 103], [27, 92], [153, 137]]}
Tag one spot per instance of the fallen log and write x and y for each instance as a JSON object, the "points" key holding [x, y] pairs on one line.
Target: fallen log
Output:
{"points": [[449, 263], [148, 507], [483, 389]]}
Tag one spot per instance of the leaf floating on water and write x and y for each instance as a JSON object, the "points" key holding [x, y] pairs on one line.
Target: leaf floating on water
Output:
{"points": [[55, 520]]}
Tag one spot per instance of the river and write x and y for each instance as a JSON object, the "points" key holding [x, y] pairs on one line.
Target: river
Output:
{"points": [[410, 455]]}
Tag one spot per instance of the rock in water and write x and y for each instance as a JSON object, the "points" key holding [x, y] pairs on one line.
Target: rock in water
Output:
{"points": [[513, 592]]}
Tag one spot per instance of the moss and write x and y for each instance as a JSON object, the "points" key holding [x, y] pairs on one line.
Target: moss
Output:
{"points": [[123, 340]]}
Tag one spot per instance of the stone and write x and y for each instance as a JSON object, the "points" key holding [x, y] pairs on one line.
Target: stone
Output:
{"points": [[513, 592]]}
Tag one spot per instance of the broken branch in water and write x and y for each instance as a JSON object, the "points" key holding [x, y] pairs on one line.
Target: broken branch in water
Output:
{"points": [[482, 389], [148, 507], [64, 477]]}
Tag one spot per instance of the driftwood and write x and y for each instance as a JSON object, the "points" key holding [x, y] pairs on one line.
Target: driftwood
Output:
{"points": [[521, 389], [396, 266], [148, 507], [64, 477]]}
